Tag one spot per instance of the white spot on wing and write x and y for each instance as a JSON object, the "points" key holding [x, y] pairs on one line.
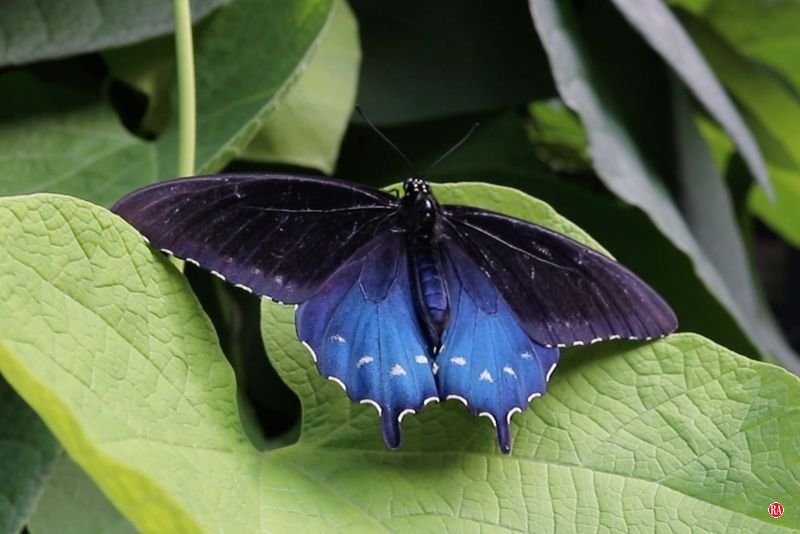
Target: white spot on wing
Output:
{"points": [[490, 417], [337, 381], [534, 396], [512, 411], [435, 368], [421, 359], [337, 338], [486, 376], [459, 398], [577, 343], [596, 340], [371, 403], [509, 371], [397, 370], [243, 287], [430, 400], [613, 337], [167, 251], [364, 361], [458, 360], [550, 373], [218, 275], [527, 355], [313, 354], [405, 413], [193, 262]]}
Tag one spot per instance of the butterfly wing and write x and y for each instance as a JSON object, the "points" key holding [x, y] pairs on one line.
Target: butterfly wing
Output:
{"points": [[275, 235], [563, 293], [364, 334], [487, 361]]}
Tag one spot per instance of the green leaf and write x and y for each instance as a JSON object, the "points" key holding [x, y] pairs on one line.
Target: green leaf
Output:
{"points": [[426, 60], [764, 31], [62, 140], [246, 59], [781, 215], [27, 453], [774, 114], [558, 136], [709, 210], [307, 127], [662, 31], [49, 29], [108, 345], [72, 504], [617, 133]]}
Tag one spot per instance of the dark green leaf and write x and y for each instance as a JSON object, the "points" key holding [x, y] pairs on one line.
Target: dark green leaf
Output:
{"points": [[62, 139], [27, 453], [620, 118], [307, 127], [425, 60], [72, 504], [659, 27], [48, 29]]}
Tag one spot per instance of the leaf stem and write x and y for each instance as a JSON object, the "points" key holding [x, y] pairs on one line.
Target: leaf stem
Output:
{"points": [[186, 91]]}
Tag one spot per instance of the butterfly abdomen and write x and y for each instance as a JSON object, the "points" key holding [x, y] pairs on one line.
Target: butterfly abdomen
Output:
{"points": [[431, 290]]}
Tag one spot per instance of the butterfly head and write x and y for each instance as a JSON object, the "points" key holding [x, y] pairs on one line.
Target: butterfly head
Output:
{"points": [[415, 185]]}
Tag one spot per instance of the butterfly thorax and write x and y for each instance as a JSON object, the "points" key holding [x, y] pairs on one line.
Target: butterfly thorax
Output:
{"points": [[421, 215]]}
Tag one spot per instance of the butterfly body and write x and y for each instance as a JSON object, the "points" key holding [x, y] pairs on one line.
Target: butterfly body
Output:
{"points": [[420, 213], [404, 301]]}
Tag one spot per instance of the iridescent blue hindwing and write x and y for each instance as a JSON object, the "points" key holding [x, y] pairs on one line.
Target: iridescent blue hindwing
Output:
{"points": [[364, 335], [487, 361]]}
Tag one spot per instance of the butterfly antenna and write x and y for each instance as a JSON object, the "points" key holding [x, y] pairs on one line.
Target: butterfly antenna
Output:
{"points": [[388, 141], [453, 148]]}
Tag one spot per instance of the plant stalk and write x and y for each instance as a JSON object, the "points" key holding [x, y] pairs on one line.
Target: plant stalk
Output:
{"points": [[187, 105]]}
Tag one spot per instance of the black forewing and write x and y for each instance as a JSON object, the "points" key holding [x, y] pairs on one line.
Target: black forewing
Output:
{"points": [[277, 235], [562, 292]]}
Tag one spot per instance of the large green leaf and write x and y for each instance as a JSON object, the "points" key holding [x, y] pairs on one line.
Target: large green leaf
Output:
{"points": [[72, 504], [308, 126], [624, 146], [48, 29], [247, 56], [109, 346], [27, 453], [661, 29]]}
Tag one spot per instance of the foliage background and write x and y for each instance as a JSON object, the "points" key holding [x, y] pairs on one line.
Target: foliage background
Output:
{"points": [[669, 132]]}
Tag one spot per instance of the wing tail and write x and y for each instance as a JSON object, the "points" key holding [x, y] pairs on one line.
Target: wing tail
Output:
{"points": [[487, 361], [365, 336]]}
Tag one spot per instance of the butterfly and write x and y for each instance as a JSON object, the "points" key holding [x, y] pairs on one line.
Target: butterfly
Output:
{"points": [[401, 300]]}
